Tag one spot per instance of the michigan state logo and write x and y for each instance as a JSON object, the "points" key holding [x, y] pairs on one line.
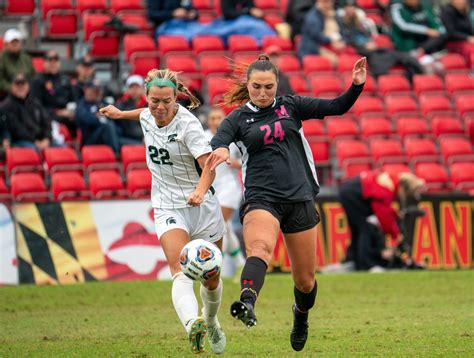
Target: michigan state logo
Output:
{"points": [[172, 137], [170, 220], [204, 254]]}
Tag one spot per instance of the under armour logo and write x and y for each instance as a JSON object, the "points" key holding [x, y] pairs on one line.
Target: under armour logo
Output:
{"points": [[172, 137], [247, 282], [251, 120]]}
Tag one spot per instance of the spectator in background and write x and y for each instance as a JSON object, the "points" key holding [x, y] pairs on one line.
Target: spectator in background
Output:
{"points": [[85, 72], [95, 128], [231, 9], [358, 31], [295, 14], [130, 132], [54, 91], [164, 10], [416, 29], [13, 60], [456, 20], [27, 122], [320, 32], [284, 86]]}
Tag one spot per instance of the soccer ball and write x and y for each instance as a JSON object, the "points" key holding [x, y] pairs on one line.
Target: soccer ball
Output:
{"points": [[200, 260]]}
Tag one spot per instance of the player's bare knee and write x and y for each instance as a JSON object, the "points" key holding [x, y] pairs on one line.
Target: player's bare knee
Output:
{"points": [[261, 249], [305, 284]]}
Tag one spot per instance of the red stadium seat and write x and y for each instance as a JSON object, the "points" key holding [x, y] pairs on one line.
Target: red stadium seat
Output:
{"points": [[427, 84], [188, 66], [61, 159], [435, 175], [393, 83], [60, 18], [208, 43], [88, 5], [104, 43], [446, 125], [133, 157], [347, 149], [106, 185], [38, 63], [430, 104], [289, 63], [329, 85], [20, 7], [381, 40], [172, 43], [320, 151], [459, 82], [243, 59], [121, 5], [314, 127], [375, 126], [395, 168], [421, 149], [69, 186], [138, 20], [316, 64], [4, 193], [337, 128], [465, 103], [139, 183], [98, 157], [284, 44], [215, 65], [412, 126], [142, 62], [352, 169], [267, 4], [23, 160], [397, 104], [242, 43], [367, 4], [462, 175], [137, 43], [299, 84], [453, 61], [370, 86], [387, 150], [346, 62], [273, 19], [455, 149], [216, 87], [366, 105], [28, 187]]}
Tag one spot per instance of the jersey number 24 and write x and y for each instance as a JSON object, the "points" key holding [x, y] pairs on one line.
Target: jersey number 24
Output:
{"points": [[269, 137]]}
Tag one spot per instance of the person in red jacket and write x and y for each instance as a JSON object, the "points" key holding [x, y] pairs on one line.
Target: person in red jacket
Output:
{"points": [[367, 200]]}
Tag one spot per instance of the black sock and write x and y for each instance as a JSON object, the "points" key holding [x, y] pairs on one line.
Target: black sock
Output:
{"points": [[251, 281], [305, 301]]}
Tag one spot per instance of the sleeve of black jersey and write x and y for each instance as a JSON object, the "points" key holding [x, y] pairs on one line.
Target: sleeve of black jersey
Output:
{"points": [[309, 107], [226, 134]]}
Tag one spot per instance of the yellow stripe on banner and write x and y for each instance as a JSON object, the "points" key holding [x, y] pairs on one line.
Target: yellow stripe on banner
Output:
{"points": [[81, 226], [28, 215], [21, 246], [41, 277], [68, 269]]}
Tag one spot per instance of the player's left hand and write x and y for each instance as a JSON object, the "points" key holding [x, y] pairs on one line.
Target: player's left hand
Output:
{"points": [[195, 199], [359, 73]]}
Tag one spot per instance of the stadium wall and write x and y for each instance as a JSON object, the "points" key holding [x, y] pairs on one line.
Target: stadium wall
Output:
{"points": [[68, 242]]}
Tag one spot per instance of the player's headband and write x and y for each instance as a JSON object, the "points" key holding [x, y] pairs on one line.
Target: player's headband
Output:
{"points": [[161, 82]]}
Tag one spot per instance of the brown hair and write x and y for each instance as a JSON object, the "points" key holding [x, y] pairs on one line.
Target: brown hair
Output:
{"points": [[238, 92], [173, 77]]}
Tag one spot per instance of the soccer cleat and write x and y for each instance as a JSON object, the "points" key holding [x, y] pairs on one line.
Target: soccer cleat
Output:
{"points": [[197, 333], [244, 312], [299, 332], [217, 339]]}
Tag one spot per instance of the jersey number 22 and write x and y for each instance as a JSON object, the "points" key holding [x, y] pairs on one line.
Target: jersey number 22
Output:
{"points": [[159, 156]]}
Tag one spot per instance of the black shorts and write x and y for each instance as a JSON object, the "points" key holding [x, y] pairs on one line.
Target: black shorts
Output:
{"points": [[293, 217]]}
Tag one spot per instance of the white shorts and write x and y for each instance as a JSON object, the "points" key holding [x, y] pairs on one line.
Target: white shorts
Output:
{"points": [[229, 196], [200, 222]]}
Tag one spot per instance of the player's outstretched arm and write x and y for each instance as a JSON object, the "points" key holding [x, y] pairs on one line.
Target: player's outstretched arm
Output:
{"points": [[205, 181], [217, 157], [113, 112]]}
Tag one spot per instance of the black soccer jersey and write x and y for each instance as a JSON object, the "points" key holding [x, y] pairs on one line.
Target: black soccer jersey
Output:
{"points": [[277, 161]]}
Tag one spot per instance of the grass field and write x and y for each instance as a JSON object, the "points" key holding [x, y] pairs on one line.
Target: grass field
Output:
{"points": [[428, 314]]}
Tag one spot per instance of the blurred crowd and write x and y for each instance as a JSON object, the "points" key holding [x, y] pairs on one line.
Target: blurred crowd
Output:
{"points": [[47, 109]]}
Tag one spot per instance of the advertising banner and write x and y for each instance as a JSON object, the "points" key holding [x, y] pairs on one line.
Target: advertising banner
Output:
{"points": [[8, 260], [115, 240]]}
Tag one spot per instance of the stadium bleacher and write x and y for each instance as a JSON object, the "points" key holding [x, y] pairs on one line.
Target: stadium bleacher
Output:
{"points": [[426, 126]]}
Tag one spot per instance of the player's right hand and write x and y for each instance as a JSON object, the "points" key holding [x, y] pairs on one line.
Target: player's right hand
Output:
{"points": [[111, 112], [217, 157]]}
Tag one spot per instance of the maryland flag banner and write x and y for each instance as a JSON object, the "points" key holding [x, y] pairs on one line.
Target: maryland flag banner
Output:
{"points": [[61, 243]]}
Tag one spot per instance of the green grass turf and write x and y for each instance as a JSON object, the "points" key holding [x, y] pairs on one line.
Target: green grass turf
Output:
{"points": [[428, 314]]}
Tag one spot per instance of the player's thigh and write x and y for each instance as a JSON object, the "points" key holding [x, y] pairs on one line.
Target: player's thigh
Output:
{"points": [[227, 213], [172, 242], [260, 229], [301, 247]]}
